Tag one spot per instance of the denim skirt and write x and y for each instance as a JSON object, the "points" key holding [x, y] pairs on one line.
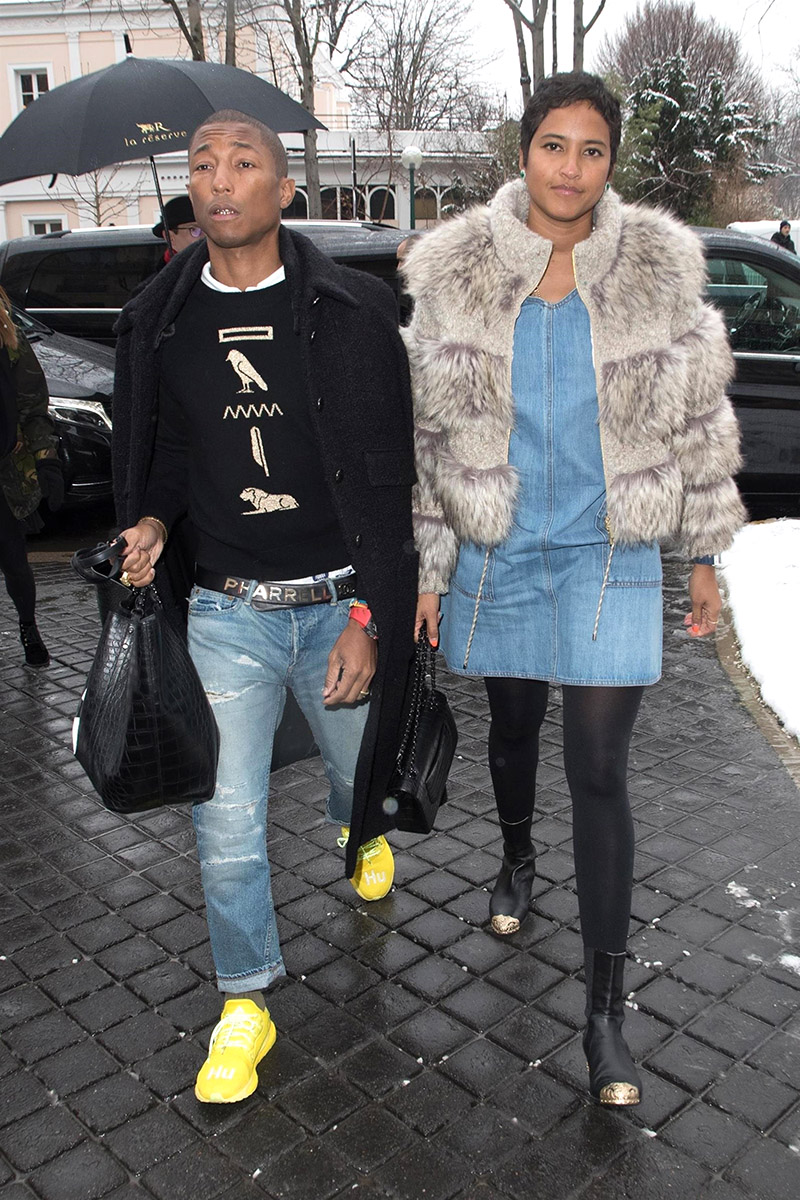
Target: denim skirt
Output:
{"points": [[538, 613]]}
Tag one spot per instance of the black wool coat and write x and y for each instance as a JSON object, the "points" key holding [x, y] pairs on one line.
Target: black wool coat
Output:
{"points": [[359, 395]]}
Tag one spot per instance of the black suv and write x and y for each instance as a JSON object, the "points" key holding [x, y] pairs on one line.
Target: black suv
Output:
{"points": [[78, 280], [756, 287]]}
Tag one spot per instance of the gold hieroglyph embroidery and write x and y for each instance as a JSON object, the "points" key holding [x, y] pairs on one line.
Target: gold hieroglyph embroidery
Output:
{"points": [[246, 333], [246, 372]]}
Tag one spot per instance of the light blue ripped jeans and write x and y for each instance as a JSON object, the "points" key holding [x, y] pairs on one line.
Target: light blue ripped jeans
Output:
{"points": [[246, 660]]}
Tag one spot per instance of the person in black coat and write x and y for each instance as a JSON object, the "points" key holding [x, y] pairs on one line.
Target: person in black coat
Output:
{"points": [[263, 393], [783, 238], [30, 469]]}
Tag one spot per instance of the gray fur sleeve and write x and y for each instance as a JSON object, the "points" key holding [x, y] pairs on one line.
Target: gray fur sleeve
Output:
{"points": [[434, 538], [707, 444]]}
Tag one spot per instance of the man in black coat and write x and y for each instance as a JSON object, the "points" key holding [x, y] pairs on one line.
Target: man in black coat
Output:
{"points": [[263, 392], [783, 237]]}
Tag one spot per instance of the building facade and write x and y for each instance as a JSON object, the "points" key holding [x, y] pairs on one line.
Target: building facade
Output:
{"points": [[44, 43]]}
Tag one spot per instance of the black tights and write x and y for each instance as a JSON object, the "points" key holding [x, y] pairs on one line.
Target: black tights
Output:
{"points": [[14, 563], [598, 722]]}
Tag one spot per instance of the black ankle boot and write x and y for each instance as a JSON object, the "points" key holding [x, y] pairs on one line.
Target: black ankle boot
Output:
{"points": [[613, 1078], [35, 650], [511, 896]]}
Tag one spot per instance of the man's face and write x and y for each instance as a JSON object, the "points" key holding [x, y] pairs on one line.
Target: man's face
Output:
{"points": [[182, 236], [234, 187], [786, 228]]}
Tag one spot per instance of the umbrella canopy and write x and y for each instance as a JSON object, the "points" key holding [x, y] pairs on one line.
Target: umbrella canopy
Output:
{"points": [[138, 108]]}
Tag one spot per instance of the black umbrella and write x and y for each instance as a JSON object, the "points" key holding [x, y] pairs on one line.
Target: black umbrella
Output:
{"points": [[138, 108]]}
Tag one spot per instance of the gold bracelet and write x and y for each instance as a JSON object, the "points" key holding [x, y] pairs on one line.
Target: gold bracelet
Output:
{"points": [[155, 521]]}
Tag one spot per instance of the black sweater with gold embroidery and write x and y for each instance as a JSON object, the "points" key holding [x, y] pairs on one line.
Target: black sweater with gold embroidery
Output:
{"points": [[235, 446]]}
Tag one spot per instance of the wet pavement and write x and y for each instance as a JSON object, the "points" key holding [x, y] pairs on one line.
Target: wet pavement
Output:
{"points": [[418, 1056]]}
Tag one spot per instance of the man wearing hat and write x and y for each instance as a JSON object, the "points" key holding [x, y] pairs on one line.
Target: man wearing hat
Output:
{"points": [[783, 238], [183, 229]]}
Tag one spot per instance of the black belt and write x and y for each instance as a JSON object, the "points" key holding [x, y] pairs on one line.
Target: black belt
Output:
{"points": [[266, 595]]}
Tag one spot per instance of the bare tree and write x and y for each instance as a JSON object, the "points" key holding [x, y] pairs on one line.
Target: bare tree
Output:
{"points": [[302, 29], [191, 26], [660, 29], [579, 31], [101, 196], [783, 146], [522, 54], [230, 33], [416, 71], [316, 24], [535, 26]]}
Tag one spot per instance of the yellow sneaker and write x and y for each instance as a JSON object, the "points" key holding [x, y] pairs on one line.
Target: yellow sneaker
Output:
{"points": [[241, 1038], [374, 867]]}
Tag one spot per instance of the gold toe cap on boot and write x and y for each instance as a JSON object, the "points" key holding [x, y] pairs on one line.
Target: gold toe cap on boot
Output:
{"points": [[505, 925], [619, 1094]]}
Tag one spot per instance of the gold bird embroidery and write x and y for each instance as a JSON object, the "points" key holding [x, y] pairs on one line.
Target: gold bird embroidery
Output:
{"points": [[246, 372]]}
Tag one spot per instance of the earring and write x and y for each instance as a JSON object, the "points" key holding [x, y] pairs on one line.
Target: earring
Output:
{"points": [[522, 174], [608, 187]]}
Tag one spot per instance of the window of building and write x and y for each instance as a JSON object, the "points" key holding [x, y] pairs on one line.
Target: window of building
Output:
{"points": [[45, 224], [31, 85], [346, 204], [451, 202], [381, 204], [425, 204], [330, 203], [337, 204]]}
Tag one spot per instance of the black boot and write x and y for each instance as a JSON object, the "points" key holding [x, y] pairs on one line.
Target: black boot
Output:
{"points": [[511, 896], [35, 650], [613, 1078]]}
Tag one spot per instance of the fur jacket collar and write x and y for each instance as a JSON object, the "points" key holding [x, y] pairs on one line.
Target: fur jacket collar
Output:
{"points": [[662, 362]]}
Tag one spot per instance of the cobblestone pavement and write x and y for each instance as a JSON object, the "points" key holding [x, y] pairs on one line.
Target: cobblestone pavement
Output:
{"points": [[418, 1056]]}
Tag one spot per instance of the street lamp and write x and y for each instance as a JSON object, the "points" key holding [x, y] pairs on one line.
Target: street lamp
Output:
{"points": [[411, 158]]}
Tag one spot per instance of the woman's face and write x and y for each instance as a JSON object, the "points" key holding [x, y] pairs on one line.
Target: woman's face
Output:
{"points": [[568, 165]]}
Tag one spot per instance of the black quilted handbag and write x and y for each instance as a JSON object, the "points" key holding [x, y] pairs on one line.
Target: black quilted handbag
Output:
{"points": [[427, 747], [144, 733]]}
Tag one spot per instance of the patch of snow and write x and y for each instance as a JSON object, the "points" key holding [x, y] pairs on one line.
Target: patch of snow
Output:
{"points": [[791, 962], [741, 895], [762, 578], [785, 922]]}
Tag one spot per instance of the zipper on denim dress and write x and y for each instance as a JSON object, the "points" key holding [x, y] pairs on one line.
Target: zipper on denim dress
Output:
{"points": [[479, 596], [609, 529]]}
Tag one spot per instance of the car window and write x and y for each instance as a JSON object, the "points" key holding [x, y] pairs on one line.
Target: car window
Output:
{"points": [[28, 324], [92, 277], [760, 305]]}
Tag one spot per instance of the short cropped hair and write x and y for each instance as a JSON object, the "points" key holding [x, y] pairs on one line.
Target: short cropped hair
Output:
{"points": [[571, 87], [268, 137]]}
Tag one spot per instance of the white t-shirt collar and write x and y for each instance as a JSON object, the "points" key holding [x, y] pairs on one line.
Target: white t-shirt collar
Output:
{"points": [[215, 285]]}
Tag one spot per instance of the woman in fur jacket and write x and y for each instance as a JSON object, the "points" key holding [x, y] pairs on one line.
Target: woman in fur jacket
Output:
{"points": [[569, 387]]}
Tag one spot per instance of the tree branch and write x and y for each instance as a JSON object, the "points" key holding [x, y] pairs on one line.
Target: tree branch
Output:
{"points": [[600, 8], [184, 28], [515, 8]]}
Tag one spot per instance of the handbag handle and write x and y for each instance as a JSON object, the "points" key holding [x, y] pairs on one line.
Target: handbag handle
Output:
{"points": [[86, 562], [89, 565]]}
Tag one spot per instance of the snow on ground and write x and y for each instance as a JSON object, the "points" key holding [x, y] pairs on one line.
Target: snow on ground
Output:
{"points": [[761, 573]]}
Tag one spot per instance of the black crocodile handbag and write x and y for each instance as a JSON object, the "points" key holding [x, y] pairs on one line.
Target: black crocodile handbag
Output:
{"points": [[427, 748], [144, 732]]}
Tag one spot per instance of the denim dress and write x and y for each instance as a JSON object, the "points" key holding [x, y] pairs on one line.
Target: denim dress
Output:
{"points": [[538, 612]]}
